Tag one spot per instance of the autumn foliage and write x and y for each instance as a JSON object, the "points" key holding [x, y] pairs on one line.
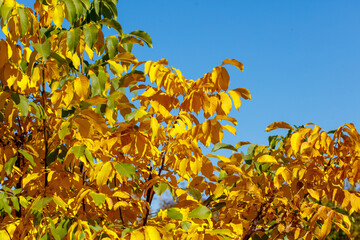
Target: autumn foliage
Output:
{"points": [[89, 134]]}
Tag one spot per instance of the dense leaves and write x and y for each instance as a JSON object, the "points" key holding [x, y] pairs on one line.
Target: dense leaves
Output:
{"points": [[89, 134]]}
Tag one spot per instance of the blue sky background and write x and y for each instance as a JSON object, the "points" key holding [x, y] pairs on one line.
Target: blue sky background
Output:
{"points": [[302, 58]]}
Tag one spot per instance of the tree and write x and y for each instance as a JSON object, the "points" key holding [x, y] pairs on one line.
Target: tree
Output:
{"points": [[80, 160]]}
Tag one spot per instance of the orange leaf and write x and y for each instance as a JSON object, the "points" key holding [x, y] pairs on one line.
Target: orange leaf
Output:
{"points": [[234, 62], [243, 92], [276, 125]]}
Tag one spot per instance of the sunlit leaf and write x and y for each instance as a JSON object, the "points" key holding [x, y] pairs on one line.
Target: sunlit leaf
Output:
{"points": [[267, 159], [277, 125], [43, 48], [174, 214], [125, 169], [234, 62], [160, 188], [24, 22], [200, 212], [41, 203], [99, 198]]}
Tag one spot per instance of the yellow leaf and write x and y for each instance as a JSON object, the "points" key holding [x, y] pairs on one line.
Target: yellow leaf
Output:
{"points": [[69, 94], [118, 67], [236, 99], [104, 174], [276, 125], [121, 194], [82, 87], [219, 190], [314, 194], [326, 227], [154, 124], [227, 118], [225, 102], [89, 52], [224, 81], [59, 202], [23, 83], [234, 62], [295, 142], [151, 233], [136, 235], [58, 15], [267, 159], [231, 129], [109, 115], [29, 178], [281, 228]]}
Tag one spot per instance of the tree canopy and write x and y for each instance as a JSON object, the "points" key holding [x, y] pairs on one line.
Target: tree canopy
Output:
{"points": [[89, 134]]}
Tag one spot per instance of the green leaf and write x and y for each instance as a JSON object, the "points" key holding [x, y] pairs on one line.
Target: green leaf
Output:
{"points": [[195, 193], [24, 21], [9, 165], [46, 237], [130, 116], [125, 169], [86, 4], [78, 150], [89, 156], [91, 34], [73, 39], [250, 149], [185, 225], [126, 230], [52, 156], [64, 130], [71, 11], [37, 218], [218, 146], [160, 188], [174, 214], [143, 36], [5, 12], [4, 203], [111, 46], [21, 102], [43, 48], [111, 23], [201, 212], [79, 8], [17, 191], [218, 206], [63, 227], [97, 6], [41, 203], [27, 156], [112, 7], [99, 198], [98, 82], [60, 60], [15, 203]]}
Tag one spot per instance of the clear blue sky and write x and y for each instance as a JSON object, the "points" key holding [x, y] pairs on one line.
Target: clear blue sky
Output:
{"points": [[302, 58]]}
